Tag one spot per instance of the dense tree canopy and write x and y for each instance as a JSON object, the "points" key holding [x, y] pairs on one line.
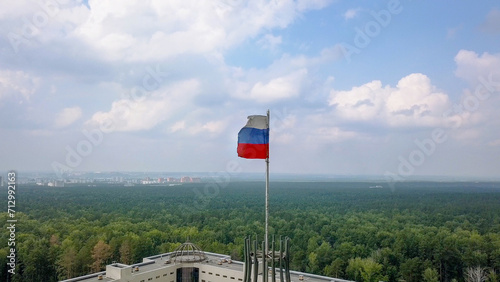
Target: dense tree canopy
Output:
{"points": [[420, 231]]}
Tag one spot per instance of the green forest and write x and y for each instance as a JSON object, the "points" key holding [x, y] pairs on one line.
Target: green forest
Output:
{"points": [[418, 231]]}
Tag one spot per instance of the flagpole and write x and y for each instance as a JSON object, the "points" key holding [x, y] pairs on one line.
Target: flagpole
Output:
{"points": [[264, 272]]}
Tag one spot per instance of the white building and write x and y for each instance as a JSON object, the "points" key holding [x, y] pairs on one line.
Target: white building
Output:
{"points": [[189, 264]]}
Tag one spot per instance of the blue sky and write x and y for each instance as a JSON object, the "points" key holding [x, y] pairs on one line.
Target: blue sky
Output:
{"points": [[395, 88]]}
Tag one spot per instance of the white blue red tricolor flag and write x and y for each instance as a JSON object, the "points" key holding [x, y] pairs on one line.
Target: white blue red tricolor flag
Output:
{"points": [[253, 139]]}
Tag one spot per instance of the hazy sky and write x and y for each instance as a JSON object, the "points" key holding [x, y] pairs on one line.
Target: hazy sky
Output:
{"points": [[400, 88]]}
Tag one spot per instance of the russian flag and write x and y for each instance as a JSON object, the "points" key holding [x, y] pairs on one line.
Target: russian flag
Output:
{"points": [[253, 139]]}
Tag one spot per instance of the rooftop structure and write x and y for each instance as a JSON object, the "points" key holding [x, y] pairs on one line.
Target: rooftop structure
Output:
{"points": [[188, 252], [188, 263]]}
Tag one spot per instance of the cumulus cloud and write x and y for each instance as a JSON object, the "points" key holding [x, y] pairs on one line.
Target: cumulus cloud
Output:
{"points": [[473, 67], [180, 125], [284, 79], [494, 143], [209, 127], [144, 113], [17, 83], [269, 41], [413, 102], [67, 117], [278, 88], [43, 23], [479, 104], [170, 28]]}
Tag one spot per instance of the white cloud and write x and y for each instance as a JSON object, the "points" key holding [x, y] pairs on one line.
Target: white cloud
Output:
{"points": [[332, 53], [67, 116], [15, 9], [170, 28], [351, 13], [189, 39], [478, 106], [145, 113], [209, 127], [467, 135], [279, 88], [17, 83], [472, 67], [180, 125], [284, 79], [44, 22], [494, 143], [413, 102], [269, 41]]}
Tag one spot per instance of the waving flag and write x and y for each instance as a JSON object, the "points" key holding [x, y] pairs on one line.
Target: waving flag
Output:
{"points": [[253, 143], [253, 139]]}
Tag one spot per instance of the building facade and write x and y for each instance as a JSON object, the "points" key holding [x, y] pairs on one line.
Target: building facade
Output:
{"points": [[189, 264]]}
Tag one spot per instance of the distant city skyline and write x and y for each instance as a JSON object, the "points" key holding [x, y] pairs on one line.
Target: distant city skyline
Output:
{"points": [[224, 177], [399, 89]]}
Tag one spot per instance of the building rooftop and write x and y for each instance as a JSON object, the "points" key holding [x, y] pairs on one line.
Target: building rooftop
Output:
{"points": [[163, 267]]}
